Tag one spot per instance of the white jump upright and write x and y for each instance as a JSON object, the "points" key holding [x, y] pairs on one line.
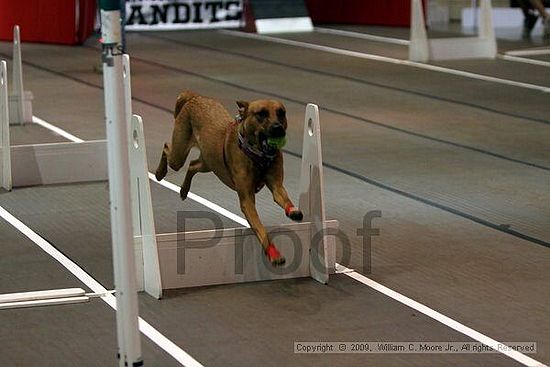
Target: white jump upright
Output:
{"points": [[145, 241], [5, 148], [20, 100], [422, 49], [312, 201], [233, 255]]}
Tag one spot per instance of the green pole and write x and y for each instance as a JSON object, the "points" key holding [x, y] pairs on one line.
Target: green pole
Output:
{"points": [[109, 4]]}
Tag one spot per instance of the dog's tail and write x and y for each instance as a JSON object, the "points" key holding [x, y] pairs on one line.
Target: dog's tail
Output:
{"points": [[183, 98]]}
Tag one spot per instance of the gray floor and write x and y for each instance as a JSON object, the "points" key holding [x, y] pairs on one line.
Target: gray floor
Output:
{"points": [[457, 166]]}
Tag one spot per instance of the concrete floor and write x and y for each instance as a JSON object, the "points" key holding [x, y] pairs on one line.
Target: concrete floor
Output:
{"points": [[457, 166]]}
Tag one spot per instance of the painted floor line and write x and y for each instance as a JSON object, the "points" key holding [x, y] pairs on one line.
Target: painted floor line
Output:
{"points": [[529, 52], [391, 60], [366, 36], [445, 320], [147, 329], [524, 60]]}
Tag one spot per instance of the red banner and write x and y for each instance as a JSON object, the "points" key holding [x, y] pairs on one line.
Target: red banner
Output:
{"points": [[50, 21]]}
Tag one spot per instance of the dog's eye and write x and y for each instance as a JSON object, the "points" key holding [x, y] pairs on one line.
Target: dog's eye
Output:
{"points": [[262, 114], [281, 114]]}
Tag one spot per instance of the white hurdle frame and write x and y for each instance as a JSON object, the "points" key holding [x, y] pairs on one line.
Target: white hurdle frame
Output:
{"points": [[422, 49], [238, 256], [50, 163], [21, 100]]}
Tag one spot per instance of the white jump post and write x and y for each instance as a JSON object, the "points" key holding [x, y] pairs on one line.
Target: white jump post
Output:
{"points": [[20, 100], [312, 201], [422, 49], [116, 112], [5, 148]]}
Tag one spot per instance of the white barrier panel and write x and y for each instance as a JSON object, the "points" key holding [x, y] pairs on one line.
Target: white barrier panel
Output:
{"points": [[502, 18], [284, 25], [20, 102], [5, 150], [58, 163], [187, 259], [422, 49], [234, 255]]}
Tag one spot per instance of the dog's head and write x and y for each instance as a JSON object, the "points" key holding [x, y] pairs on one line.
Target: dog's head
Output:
{"points": [[264, 121]]}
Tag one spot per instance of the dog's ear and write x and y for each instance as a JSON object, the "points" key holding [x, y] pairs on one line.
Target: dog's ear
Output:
{"points": [[243, 106]]}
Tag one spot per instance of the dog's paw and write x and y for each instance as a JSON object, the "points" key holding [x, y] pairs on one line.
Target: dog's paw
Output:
{"points": [[160, 174], [183, 193], [294, 213], [274, 256]]}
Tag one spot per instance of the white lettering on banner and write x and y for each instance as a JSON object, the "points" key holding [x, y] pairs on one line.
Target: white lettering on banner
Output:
{"points": [[182, 14]]}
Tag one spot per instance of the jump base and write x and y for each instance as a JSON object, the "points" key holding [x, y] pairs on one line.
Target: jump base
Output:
{"points": [[234, 255]]}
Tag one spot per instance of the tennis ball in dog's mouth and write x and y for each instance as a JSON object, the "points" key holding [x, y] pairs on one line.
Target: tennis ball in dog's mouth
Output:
{"points": [[277, 143]]}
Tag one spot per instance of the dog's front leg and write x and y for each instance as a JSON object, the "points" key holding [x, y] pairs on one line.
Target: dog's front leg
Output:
{"points": [[248, 207], [274, 181]]}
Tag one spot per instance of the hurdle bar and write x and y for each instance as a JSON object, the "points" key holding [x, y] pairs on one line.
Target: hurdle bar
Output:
{"points": [[181, 259], [422, 49], [52, 297], [20, 100]]}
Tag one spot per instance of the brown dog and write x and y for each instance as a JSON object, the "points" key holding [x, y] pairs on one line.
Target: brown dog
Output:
{"points": [[243, 152]]}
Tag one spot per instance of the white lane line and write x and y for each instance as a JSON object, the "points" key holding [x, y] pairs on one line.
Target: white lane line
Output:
{"points": [[366, 36], [391, 60], [56, 130], [530, 52], [199, 199], [447, 321], [154, 335], [524, 60]]}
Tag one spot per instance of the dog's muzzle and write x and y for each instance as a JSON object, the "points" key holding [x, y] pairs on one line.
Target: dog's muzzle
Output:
{"points": [[276, 130]]}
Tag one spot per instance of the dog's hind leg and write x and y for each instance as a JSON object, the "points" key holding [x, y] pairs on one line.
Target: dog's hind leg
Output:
{"points": [[175, 154], [195, 166]]}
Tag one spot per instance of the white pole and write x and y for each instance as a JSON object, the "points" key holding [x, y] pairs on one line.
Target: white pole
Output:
{"points": [[18, 90], [474, 13], [5, 148], [419, 49], [119, 187]]}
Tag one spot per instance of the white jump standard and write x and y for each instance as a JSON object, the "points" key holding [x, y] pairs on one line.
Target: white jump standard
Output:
{"points": [[422, 49], [20, 100]]}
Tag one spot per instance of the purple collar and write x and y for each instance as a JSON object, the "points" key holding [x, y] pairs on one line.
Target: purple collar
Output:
{"points": [[262, 158]]}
